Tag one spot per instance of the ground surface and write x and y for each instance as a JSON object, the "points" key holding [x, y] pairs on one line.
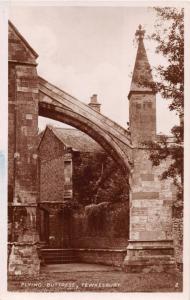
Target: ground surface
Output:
{"points": [[95, 278]]}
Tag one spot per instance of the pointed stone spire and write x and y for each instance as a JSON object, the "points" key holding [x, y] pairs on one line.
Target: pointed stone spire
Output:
{"points": [[142, 76], [142, 97]]}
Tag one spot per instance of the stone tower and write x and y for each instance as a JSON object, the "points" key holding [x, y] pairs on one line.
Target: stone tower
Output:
{"points": [[142, 98], [150, 247]]}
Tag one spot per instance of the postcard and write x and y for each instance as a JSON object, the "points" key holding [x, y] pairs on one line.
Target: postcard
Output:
{"points": [[94, 167]]}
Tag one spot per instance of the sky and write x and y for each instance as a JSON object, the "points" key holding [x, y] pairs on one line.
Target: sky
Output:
{"points": [[91, 50]]}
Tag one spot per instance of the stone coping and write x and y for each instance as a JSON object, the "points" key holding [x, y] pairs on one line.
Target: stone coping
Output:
{"points": [[86, 249], [23, 243], [160, 244], [23, 204], [150, 241]]}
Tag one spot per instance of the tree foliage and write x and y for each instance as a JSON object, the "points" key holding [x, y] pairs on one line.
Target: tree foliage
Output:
{"points": [[97, 179], [170, 43], [169, 35]]}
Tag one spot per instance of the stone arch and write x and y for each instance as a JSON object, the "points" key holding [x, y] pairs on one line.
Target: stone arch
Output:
{"points": [[114, 140]]}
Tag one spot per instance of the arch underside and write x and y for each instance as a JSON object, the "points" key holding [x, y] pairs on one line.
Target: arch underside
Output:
{"points": [[59, 106]]}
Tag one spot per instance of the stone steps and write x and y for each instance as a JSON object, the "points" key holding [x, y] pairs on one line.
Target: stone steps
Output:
{"points": [[58, 256]]}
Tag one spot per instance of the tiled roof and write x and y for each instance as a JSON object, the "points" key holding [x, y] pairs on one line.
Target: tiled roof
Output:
{"points": [[76, 139]]}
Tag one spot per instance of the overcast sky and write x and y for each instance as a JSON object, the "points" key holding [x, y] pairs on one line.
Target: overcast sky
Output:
{"points": [[87, 50]]}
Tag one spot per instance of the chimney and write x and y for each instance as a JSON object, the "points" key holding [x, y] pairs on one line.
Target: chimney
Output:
{"points": [[94, 103]]}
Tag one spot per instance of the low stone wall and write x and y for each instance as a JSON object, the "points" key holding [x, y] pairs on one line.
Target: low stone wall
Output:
{"points": [[112, 257]]}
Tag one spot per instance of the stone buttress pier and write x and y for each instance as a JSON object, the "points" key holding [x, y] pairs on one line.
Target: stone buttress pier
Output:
{"points": [[150, 246], [23, 120]]}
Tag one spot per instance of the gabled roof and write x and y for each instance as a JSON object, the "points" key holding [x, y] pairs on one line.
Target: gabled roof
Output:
{"points": [[75, 139]]}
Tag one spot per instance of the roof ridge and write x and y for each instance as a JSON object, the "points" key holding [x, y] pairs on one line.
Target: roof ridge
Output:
{"points": [[82, 141], [66, 128]]}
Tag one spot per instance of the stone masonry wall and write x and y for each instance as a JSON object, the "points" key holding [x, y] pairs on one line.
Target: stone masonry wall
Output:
{"points": [[178, 235], [151, 237], [26, 184], [20, 51], [24, 260], [52, 180], [22, 89], [23, 184], [50, 147], [111, 257], [51, 158], [11, 131], [151, 201], [142, 112]]}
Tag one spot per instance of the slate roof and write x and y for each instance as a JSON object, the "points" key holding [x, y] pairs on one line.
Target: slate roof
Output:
{"points": [[76, 139]]}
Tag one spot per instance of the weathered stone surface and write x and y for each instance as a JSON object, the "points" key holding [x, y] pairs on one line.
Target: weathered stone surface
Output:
{"points": [[148, 193], [26, 136], [145, 195], [19, 49], [143, 128], [178, 234], [23, 182], [51, 168], [149, 256], [147, 177], [107, 256], [24, 260]]}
